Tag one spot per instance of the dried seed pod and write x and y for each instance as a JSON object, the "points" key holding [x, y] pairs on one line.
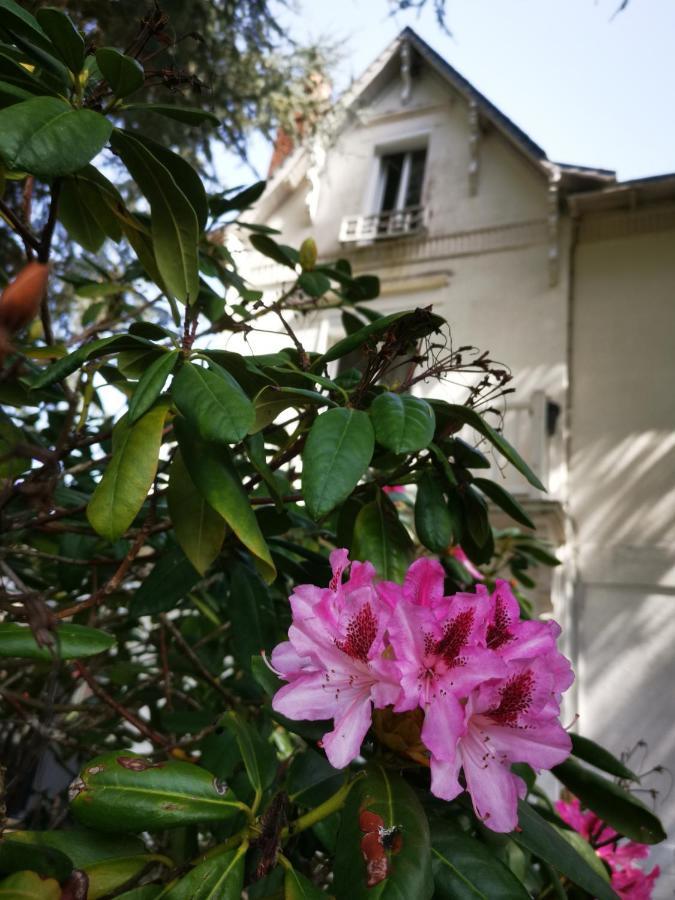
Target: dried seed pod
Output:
{"points": [[20, 300]]}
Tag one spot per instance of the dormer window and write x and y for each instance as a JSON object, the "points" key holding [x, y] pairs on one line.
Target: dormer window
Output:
{"points": [[396, 209]]}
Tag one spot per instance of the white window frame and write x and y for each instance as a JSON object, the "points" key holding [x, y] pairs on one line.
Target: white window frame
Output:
{"points": [[409, 144]]}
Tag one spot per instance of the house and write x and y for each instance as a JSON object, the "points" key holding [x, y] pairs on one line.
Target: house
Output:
{"points": [[566, 275]]}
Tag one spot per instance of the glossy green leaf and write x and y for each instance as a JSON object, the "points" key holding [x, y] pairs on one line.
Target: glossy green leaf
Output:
{"points": [[212, 401], [92, 350], [171, 579], [19, 21], [412, 325], [123, 73], [151, 384], [240, 201], [47, 137], [314, 283], [12, 93], [586, 749], [84, 847], [585, 851], [145, 892], [477, 520], [64, 36], [258, 757], [123, 791], [280, 253], [188, 115], [141, 242], [219, 878], [386, 794], [312, 779], [465, 869], [362, 288], [175, 231], [71, 641], [620, 809], [403, 424], [380, 538], [17, 856], [504, 500], [297, 887], [184, 175], [12, 463], [128, 476], [110, 874], [199, 529], [213, 472], [29, 886], [337, 453], [251, 612], [433, 519], [87, 208], [536, 835], [463, 415]]}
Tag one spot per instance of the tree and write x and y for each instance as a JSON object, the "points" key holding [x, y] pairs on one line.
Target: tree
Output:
{"points": [[161, 498]]}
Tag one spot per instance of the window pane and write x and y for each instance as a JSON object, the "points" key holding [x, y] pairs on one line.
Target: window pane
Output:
{"points": [[413, 195], [391, 172]]}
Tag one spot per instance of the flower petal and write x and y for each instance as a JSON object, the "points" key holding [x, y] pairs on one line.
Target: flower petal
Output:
{"points": [[444, 724], [343, 744]]}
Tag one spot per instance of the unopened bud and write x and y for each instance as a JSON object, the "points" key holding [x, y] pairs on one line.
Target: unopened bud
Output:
{"points": [[308, 254]]}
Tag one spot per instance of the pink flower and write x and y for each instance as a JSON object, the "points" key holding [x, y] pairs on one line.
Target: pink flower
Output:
{"points": [[394, 489], [333, 658], [628, 880], [462, 558], [512, 720]]}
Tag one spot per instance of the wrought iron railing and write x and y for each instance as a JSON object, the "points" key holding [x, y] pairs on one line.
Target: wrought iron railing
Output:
{"points": [[391, 224]]}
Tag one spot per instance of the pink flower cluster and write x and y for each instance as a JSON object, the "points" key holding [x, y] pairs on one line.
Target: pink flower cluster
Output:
{"points": [[629, 881], [488, 683]]}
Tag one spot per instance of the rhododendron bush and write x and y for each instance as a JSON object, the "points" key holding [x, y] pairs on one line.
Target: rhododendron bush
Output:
{"points": [[261, 633]]}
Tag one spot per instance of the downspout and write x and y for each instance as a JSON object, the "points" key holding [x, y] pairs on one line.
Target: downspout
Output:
{"points": [[572, 588]]}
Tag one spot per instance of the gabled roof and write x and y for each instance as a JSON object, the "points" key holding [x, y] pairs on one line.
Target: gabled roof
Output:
{"points": [[574, 178]]}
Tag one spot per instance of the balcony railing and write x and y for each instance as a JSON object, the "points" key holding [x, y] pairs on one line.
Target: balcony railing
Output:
{"points": [[391, 224]]}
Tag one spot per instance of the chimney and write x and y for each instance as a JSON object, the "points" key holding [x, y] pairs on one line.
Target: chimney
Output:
{"points": [[318, 91]]}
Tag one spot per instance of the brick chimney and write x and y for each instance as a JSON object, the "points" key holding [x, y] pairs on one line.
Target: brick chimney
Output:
{"points": [[318, 88]]}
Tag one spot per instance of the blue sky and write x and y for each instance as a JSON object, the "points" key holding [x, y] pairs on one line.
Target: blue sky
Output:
{"points": [[589, 88]]}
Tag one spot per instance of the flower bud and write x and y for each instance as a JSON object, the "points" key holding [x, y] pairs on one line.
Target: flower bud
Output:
{"points": [[20, 300], [308, 254]]}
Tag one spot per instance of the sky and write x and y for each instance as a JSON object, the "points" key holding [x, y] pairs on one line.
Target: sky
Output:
{"points": [[590, 87]]}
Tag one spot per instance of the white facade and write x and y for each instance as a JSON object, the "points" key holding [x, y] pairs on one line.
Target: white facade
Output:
{"points": [[569, 279]]}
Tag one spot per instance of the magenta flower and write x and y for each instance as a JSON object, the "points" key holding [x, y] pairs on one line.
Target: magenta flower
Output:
{"points": [[629, 881], [512, 720], [333, 658]]}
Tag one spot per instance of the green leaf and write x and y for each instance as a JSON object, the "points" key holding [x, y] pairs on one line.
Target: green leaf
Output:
{"points": [[91, 350], [12, 93], [145, 892], [122, 490], [199, 529], [584, 849], [71, 641], [188, 115], [47, 137], [29, 886], [240, 201], [310, 773], [184, 175], [258, 757], [380, 538], [88, 205], [297, 887], [219, 878], [140, 241], [123, 791], [213, 472], [413, 325], [433, 519], [85, 848], [67, 40], [337, 453], [464, 868], [151, 384], [617, 807], [16, 856], [403, 424], [389, 796], [314, 283], [504, 500], [536, 835], [586, 749], [171, 579], [280, 253], [212, 401], [123, 73], [175, 231], [251, 613], [19, 21], [477, 519], [362, 288], [466, 416]]}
